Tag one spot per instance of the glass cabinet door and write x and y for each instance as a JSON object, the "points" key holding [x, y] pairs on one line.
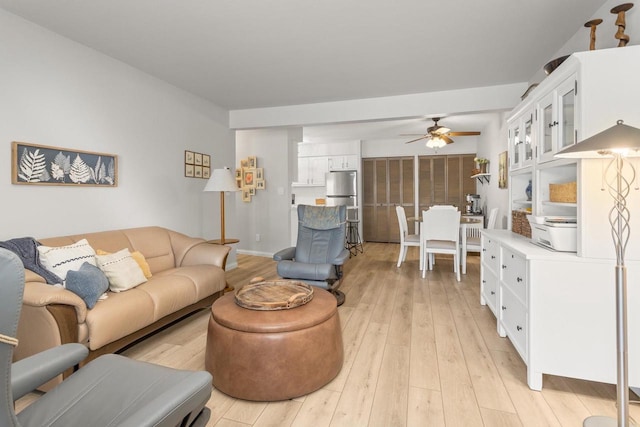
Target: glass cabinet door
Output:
{"points": [[548, 123], [516, 146], [528, 148], [567, 119]]}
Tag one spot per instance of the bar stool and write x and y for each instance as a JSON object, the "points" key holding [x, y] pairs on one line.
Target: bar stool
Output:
{"points": [[353, 242]]}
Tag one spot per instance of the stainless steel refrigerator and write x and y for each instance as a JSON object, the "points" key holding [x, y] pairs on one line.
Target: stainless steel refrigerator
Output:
{"points": [[342, 188]]}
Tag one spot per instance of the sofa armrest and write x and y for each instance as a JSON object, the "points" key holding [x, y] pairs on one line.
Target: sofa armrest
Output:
{"points": [[206, 253], [38, 294], [32, 372]]}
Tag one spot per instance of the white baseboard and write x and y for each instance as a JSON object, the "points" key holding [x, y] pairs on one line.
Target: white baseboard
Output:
{"points": [[255, 253]]}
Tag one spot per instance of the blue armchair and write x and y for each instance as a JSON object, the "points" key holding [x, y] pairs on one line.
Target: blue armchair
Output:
{"points": [[319, 254]]}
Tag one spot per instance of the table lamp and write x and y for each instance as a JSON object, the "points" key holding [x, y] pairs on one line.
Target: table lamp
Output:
{"points": [[221, 180], [617, 143]]}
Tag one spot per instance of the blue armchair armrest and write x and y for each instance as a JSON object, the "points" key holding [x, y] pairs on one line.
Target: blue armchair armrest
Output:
{"points": [[30, 373], [285, 254], [340, 259]]}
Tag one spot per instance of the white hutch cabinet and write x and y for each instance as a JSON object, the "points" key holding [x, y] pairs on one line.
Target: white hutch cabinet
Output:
{"points": [[558, 309]]}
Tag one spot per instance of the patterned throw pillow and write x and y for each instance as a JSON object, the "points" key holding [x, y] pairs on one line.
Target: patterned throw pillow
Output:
{"points": [[88, 283], [60, 259], [137, 257], [121, 270]]}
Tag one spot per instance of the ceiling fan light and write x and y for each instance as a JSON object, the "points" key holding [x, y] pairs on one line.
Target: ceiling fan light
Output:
{"points": [[435, 142]]}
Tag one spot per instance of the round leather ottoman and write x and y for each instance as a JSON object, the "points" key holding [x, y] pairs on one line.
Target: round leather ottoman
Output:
{"points": [[274, 355]]}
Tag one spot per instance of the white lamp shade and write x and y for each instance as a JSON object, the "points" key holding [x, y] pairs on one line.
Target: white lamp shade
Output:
{"points": [[619, 138], [435, 142], [221, 180]]}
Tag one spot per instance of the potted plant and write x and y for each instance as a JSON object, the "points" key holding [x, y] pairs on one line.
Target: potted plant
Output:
{"points": [[482, 163]]}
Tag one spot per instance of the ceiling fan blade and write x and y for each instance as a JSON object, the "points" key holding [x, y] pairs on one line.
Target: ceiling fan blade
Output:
{"points": [[418, 139], [463, 133], [446, 139], [440, 130], [414, 134]]}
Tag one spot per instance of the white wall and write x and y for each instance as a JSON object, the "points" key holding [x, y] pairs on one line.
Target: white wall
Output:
{"points": [[268, 213], [59, 93]]}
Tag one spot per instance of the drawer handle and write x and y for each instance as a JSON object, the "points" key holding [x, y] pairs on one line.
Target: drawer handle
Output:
{"points": [[518, 327], [493, 292], [504, 308], [519, 279], [493, 257], [484, 250], [504, 266], [484, 281], [511, 256]]}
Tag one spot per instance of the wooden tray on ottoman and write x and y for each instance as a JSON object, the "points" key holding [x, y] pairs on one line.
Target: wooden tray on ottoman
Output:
{"points": [[274, 295]]}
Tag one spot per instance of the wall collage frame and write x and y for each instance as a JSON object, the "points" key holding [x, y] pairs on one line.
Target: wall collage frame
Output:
{"points": [[250, 178], [197, 165]]}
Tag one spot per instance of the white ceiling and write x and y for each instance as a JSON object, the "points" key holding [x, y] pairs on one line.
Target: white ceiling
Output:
{"points": [[261, 53]]}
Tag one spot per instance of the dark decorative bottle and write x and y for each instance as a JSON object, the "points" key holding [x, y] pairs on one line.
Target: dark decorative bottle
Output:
{"points": [[528, 191]]}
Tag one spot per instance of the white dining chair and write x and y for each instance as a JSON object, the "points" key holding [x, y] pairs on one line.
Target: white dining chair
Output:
{"points": [[471, 237], [440, 234], [406, 239]]}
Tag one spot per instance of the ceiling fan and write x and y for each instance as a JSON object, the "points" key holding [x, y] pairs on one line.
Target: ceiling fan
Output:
{"points": [[438, 136]]}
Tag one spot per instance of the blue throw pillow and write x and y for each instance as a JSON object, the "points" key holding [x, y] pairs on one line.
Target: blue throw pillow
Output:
{"points": [[89, 282]]}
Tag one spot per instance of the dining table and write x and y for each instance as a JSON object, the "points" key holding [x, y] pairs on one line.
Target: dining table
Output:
{"points": [[465, 223]]}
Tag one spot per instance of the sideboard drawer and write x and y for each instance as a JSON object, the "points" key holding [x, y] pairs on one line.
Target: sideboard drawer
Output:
{"points": [[514, 273], [513, 316]]}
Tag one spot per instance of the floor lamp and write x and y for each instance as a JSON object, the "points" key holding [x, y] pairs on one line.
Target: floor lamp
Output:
{"points": [[222, 180], [617, 143]]}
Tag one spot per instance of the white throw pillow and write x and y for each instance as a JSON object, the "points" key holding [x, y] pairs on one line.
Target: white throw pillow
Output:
{"points": [[60, 259], [121, 269]]}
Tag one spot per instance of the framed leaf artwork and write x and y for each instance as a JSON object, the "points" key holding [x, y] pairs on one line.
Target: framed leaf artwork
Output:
{"points": [[44, 165]]}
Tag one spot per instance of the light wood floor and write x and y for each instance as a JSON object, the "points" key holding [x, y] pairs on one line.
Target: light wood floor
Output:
{"points": [[418, 352]]}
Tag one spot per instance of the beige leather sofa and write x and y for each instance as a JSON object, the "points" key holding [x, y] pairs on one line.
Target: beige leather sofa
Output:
{"points": [[188, 275]]}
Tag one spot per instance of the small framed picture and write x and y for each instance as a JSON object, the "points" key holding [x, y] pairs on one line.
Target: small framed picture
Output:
{"points": [[239, 183], [206, 172], [188, 170], [260, 185], [206, 160], [197, 171], [197, 159], [244, 163], [253, 161], [259, 174], [239, 174], [246, 195], [249, 178], [188, 157], [252, 191]]}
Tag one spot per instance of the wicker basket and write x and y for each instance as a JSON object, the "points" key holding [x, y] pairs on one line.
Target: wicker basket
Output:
{"points": [[520, 223], [563, 193]]}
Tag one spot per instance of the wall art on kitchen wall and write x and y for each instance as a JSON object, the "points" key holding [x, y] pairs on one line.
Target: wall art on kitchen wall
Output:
{"points": [[250, 178], [197, 165], [44, 165]]}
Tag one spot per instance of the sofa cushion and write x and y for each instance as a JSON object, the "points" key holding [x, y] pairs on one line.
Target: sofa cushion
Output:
{"points": [[121, 270], [60, 259], [89, 283]]}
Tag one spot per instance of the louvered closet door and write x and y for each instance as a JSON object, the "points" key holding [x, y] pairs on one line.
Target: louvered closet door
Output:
{"points": [[387, 182], [445, 180]]}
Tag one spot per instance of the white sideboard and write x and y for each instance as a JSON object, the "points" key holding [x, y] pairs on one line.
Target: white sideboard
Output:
{"points": [[557, 309]]}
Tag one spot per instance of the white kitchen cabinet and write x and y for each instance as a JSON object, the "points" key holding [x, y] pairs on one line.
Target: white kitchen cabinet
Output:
{"points": [[345, 162], [311, 170], [558, 309]]}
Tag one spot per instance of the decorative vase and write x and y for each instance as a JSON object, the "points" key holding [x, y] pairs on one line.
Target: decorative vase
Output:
{"points": [[483, 167], [528, 191]]}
